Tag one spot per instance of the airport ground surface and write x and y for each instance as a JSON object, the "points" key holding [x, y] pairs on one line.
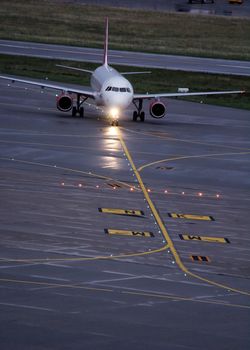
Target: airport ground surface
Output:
{"points": [[126, 58], [68, 284]]}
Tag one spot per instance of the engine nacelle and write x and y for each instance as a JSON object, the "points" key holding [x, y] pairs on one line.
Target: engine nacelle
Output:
{"points": [[64, 102], [157, 109]]}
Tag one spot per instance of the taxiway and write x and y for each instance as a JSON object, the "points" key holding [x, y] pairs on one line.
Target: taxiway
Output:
{"points": [[74, 276]]}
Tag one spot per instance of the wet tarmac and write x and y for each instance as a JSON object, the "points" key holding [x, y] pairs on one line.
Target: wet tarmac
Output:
{"points": [[134, 237]]}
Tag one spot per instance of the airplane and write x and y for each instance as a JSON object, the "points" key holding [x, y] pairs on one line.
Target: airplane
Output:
{"points": [[111, 91]]}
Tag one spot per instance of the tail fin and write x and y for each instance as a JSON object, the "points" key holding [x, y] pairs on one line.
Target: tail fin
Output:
{"points": [[105, 54]]}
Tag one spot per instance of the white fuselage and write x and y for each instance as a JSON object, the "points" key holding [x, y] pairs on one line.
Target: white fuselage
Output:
{"points": [[112, 89]]}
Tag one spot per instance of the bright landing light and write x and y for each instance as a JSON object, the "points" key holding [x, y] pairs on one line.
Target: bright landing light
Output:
{"points": [[114, 112]]}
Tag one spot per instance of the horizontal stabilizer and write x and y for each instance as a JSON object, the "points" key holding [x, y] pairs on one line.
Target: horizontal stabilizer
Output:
{"points": [[74, 68]]}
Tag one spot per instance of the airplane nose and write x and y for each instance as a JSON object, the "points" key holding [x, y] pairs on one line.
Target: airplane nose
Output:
{"points": [[119, 101], [124, 101]]}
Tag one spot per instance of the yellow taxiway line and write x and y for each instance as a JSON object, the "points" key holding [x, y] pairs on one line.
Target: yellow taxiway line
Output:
{"points": [[163, 228], [100, 257], [70, 170], [189, 157], [140, 293]]}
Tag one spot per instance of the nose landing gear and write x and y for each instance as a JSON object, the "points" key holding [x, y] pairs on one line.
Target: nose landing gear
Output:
{"points": [[114, 123]]}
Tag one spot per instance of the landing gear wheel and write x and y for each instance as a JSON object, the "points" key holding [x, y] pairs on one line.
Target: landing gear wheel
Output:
{"points": [[142, 116], [81, 111], [114, 123], [135, 116], [74, 110]]}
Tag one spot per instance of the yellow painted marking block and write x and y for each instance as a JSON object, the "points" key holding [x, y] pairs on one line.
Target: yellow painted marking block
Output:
{"points": [[122, 211], [200, 258], [187, 237], [129, 233], [191, 217]]}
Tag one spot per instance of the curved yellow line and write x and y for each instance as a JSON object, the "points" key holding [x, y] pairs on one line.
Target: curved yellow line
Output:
{"points": [[102, 257], [71, 170], [128, 292], [189, 157], [165, 232]]}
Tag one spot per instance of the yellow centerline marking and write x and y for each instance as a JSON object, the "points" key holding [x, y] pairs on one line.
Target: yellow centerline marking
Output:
{"points": [[189, 157], [164, 230], [101, 257]]}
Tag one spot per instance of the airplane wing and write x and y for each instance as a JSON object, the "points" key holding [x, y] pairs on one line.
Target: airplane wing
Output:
{"points": [[178, 94], [54, 86]]}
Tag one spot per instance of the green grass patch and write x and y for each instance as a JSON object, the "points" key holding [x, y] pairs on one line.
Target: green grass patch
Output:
{"points": [[160, 80], [70, 23]]}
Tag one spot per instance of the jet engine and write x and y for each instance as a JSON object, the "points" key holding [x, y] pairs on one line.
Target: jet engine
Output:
{"points": [[64, 102], [157, 109]]}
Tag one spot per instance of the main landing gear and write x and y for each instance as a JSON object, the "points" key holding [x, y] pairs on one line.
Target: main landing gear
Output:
{"points": [[138, 113], [78, 109]]}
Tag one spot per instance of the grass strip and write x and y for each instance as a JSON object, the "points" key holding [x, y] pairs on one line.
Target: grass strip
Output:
{"points": [[72, 23], [160, 80]]}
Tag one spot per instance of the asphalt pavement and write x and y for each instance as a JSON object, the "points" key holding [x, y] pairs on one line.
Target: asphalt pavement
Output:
{"points": [[134, 237], [126, 58]]}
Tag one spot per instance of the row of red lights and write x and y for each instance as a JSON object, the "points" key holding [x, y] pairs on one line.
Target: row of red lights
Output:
{"points": [[199, 194]]}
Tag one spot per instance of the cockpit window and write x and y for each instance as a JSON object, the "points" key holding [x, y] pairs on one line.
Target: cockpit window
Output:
{"points": [[112, 88]]}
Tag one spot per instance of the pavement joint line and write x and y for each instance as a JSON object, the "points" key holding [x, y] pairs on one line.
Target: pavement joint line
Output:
{"points": [[183, 140], [178, 298], [105, 257], [189, 157], [42, 144], [134, 293], [49, 284], [164, 230]]}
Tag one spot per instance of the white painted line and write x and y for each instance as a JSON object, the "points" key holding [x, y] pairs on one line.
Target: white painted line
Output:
{"points": [[28, 307], [230, 66]]}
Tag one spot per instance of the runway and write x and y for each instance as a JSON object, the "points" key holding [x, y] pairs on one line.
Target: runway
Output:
{"points": [[133, 237], [126, 58]]}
